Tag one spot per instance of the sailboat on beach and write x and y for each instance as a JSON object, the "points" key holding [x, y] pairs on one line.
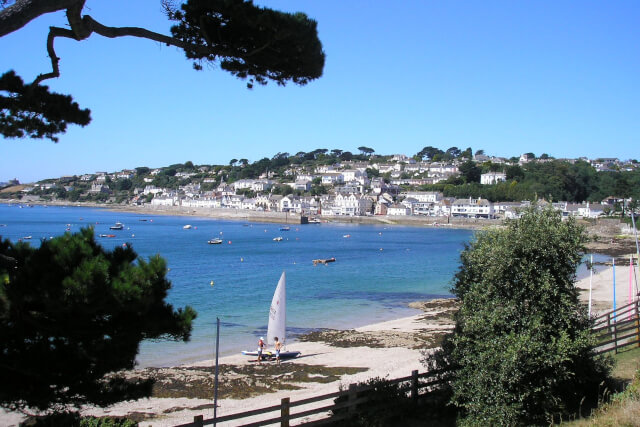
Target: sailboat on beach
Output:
{"points": [[277, 322]]}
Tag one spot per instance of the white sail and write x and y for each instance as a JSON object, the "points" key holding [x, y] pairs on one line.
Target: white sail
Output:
{"points": [[278, 313]]}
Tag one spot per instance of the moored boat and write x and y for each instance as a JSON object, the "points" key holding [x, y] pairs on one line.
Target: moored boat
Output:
{"points": [[117, 226], [277, 239], [324, 261], [215, 241]]}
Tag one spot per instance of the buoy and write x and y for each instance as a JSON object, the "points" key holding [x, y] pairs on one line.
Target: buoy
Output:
{"points": [[229, 241], [241, 259], [124, 245], [133, 235], [211, 283], [380, 248]]}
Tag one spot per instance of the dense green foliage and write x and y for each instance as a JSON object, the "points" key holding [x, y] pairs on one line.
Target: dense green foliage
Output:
{"points": [[32, 111], [522, 341], [250, 41], [554, 180], [71, 312]]}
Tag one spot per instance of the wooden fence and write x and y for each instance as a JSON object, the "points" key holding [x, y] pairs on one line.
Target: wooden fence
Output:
{"points": [[615, 330], [618, 328], [342, 404]]}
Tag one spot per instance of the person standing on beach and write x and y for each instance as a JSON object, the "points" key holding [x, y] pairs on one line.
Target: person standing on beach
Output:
{"points": [[261, 346], [278, 348]]}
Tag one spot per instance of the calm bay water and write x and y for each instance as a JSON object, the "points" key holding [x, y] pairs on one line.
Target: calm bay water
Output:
{"points": [[378, 270]]}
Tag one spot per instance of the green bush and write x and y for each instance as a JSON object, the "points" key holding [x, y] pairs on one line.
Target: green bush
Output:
{"points": [[522, 342]]}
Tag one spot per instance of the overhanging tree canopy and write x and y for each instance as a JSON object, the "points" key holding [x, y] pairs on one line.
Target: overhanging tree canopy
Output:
{"points": [[250, 42]]}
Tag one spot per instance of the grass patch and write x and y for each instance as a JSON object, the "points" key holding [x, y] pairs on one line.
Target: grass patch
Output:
{"points": [[622, 409]]}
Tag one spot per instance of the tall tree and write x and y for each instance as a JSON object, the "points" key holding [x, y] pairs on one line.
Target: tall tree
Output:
{"points": [[429, 153], [71, 312], [470, 171], [522, 342], [366, 150], [253, 43]]}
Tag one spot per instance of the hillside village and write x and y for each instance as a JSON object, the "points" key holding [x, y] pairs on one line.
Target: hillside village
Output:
{"points": [[336, 184]]}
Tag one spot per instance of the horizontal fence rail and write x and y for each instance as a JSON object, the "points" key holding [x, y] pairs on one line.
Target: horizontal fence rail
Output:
{"points": [[418, 385], [618, 328]]}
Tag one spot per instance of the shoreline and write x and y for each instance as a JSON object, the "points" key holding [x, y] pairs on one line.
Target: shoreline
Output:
{"points": [[277, 217]]}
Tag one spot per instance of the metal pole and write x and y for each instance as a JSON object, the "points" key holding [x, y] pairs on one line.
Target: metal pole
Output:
{"points": [[215, 387], [635, 233], [630, 296], [590, 282]]}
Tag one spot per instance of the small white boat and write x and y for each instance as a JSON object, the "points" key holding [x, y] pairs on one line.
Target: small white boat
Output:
{"points": [[277, 239], [186, 227], [277, 323], [285, 228], [215, 241], [117, 226]]}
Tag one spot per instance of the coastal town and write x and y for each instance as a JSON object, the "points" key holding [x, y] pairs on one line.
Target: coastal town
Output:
{"points": [[339, 184]]}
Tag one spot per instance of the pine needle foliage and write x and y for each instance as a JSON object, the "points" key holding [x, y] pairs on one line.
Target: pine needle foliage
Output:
{"points": [[71, 312], [32, 111]]}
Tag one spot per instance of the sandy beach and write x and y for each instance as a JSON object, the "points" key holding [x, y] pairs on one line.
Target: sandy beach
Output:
{"points": [[602, 286], [334, 359]]}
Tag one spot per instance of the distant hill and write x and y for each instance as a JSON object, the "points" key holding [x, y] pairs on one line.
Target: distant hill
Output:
{"points": [[13, 189]]}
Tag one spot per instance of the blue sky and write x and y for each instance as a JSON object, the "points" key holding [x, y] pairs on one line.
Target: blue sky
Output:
{"points": [[507, 77]]}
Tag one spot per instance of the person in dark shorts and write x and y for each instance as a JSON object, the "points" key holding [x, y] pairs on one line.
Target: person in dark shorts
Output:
{"points": [[261, 346]]}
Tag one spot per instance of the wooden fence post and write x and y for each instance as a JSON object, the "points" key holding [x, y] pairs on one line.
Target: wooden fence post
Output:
{"points": [[198, 420], [615, 337], [284, 412], [351, 397], [638, 322], [414, 386]]}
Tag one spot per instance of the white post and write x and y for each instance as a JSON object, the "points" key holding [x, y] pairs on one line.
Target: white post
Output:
{"points": [[614, 290], [215, 387], [590, 282]]}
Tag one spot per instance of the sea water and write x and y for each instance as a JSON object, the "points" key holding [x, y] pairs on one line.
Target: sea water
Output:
{"points": [[378, 270]]}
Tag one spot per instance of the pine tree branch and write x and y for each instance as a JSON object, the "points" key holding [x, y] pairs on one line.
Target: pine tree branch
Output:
{"points": [[21, 12]]}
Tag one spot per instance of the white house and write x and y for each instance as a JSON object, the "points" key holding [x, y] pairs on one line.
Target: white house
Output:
{"points": [[261, 185], [490, 178], [398, 210], [354, 175], [349, 205], [591, 210], [152, 189], [472, 208], [301, 185], [332, 178], [425, 196], [164, 201]]}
